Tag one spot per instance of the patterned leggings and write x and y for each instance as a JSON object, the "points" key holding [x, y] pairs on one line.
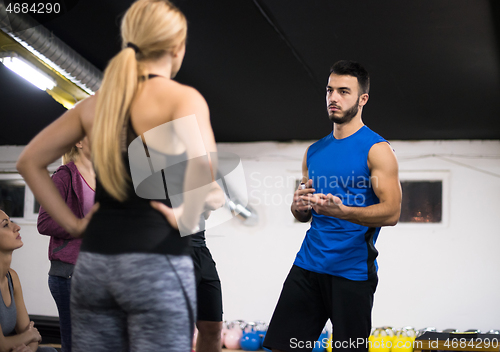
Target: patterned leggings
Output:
{"points": [[133, 302]]}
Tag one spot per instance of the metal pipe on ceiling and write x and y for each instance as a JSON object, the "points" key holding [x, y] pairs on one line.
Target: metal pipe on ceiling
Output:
{"points": [[27, 31]]}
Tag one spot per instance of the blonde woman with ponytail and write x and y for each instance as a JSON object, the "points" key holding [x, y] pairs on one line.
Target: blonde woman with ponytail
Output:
{"points": [[133, 284]]}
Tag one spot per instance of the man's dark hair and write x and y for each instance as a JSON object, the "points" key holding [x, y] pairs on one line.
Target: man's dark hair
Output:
{"points": [[352, 68]]}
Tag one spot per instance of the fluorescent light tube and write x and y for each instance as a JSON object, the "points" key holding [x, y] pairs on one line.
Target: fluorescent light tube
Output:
{"points": [[29, 72], [53, 65]]}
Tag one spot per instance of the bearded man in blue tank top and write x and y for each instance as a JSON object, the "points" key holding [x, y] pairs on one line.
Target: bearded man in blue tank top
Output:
{"points": [[350, 190]]}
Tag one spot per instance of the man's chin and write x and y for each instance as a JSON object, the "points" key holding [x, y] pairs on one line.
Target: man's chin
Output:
{"points": [[337, 120], [332, 117]]}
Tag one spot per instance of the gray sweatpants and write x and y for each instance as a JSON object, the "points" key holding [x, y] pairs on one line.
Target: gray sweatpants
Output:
{"points": [[132, 302]]}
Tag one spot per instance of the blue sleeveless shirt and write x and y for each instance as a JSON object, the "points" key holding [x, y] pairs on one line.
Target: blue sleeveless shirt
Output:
{"points": [[8, 315], [334, 246]]}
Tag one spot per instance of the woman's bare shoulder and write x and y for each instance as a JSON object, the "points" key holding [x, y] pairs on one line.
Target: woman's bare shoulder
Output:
{"points": [[15, 279], [87, 103], [174, 89], [173, 98], [190, 98], [86, 110]]}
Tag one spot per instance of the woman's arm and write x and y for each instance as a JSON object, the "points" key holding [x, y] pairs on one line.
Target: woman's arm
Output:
{"points": [[8, 343], [27, 334], [192, 126], [45, 148], [202, 160], [215, 198], [22, 348]]}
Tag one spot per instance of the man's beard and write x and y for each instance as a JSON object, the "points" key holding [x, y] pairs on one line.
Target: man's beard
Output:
{"points": [[348, 115]]}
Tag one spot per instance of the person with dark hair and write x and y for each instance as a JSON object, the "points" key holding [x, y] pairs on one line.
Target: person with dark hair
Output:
{"points": [[17, 332], [350, 189], [354, 69], [75, 181]]}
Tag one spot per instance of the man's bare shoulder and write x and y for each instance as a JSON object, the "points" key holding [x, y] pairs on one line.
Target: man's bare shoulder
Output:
{"points": [[381, 155]]}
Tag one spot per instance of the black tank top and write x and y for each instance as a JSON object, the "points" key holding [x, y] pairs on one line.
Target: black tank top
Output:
{"points": [[133, 226]]}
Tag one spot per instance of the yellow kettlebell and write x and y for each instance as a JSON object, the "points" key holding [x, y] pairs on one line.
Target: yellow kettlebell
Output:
{"points": [[404, 340], [329, 344], [381, 339]]}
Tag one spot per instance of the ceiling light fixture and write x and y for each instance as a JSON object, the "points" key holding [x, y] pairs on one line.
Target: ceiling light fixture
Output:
{"points": [[68, 75], [34, 40], [27, 71]]}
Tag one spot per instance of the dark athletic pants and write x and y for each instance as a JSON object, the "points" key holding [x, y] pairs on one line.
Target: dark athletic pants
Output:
{"points": [[309, 299], [208, 287]]}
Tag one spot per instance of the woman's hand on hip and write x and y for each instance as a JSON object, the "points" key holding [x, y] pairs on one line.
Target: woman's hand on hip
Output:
{"points": [[81, 224]]}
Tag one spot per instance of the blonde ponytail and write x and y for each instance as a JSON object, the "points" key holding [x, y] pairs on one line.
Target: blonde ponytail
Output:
{"points": [[154, 27], [115, 96]]}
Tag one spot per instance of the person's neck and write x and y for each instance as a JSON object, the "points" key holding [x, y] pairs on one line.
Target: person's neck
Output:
{"points": [[84, 165], [161, 67], [344, 130], [5, 260], [86, 169]]}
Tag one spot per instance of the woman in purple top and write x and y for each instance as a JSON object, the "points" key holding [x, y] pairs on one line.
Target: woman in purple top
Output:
{"points": [[75, 180]]}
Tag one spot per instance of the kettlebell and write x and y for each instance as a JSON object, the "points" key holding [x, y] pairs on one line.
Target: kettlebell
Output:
{"points": [[381, 339], [261, 329], [403, 341], [223, 333], [320, 346], [424, 330], [329, 345], [391, 332], [262, 343], [250, 339], [233, 336]]}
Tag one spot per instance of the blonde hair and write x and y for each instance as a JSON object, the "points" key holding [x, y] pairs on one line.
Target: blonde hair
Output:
{"points": [[72, 155], [156, 27]]}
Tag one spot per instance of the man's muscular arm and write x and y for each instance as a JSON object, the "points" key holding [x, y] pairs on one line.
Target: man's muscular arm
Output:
{"points": [[385, 182]]}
